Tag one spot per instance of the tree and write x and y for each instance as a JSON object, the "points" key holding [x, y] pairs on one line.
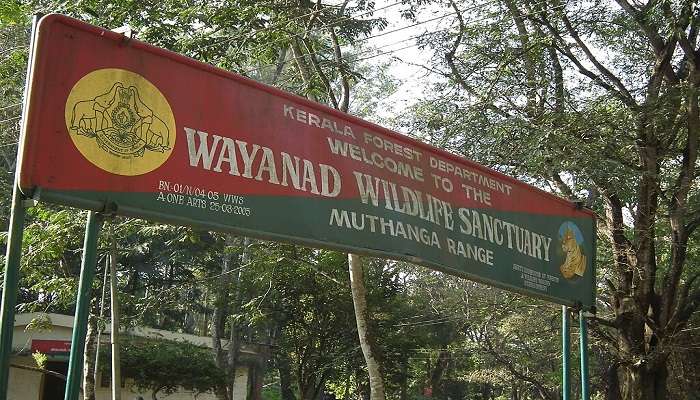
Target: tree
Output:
{"points": [[225, 40], [598, 101], [162, 366], [367, 339]]}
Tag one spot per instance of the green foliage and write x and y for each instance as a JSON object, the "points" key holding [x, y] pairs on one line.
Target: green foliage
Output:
{"points": [[564, 96], [164, 366], [501, 107], [41, 323], [13, 12], [40, 359]]}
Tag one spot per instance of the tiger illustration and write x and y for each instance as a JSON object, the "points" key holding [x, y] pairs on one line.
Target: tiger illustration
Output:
{"points": [[575, 262]]}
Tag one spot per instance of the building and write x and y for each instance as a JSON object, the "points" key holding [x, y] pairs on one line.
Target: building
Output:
{"points": [[50, 334]]}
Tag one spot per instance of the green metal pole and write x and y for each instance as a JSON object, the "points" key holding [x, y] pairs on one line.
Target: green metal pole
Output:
{"points": [[583, 336], [82, 309], [13, 253], [9, 293], [565, 354]]}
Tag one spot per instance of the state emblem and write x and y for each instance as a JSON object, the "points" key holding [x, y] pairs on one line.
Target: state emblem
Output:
{"points": [[120, 122]]}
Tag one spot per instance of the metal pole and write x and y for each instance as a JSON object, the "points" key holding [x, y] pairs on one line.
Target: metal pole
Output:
{"points": [[583, 336], [9, 293], [114, 307], [565, 353], [14, 245], [99, 330], [87, 275]]}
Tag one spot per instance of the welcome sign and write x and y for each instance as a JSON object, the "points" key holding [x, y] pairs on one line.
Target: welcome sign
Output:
{"points": [[118, 124]]}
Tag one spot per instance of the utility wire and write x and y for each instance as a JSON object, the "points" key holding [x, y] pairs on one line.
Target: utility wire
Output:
{"points": [[332, 24], [10, 106], [286, 23], [11, 49], [11, 119], [197, 281], [247, 72], [255, 32], [424, 323], [495, 13], [415, 36]]}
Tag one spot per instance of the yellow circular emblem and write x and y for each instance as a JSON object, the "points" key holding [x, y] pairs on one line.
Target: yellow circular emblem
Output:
{"points": [[120, 122]]}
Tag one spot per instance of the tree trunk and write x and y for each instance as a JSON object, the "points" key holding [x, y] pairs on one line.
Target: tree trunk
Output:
{"points": [[89, 361], [114, 313], [359, 300], [403, 390], [346, 392], [254, 383], [645, 382], [234, 344], [306, 390], [224, 305], [441, 366], [221, 302], [612, 382], [284, 369]]}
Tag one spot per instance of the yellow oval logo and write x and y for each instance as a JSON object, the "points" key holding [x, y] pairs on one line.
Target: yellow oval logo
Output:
{"points": [[120, 122]]}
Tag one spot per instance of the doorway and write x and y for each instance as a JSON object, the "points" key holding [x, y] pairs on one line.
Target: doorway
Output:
{"points": [[54, 387]]}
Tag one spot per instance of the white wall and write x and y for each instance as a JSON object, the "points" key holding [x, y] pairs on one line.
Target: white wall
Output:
{"points": [[23, 384], [131, 393], [26, 385]]}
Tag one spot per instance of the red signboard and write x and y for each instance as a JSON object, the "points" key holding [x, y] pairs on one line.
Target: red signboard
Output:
{"points": [[51, 346], [118, 124]]}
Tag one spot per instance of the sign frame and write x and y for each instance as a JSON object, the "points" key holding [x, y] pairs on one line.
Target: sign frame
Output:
{"points": [[27, 160]]}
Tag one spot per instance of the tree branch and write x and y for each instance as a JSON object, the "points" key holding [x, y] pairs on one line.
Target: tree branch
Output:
{"points": [[562, 48], [319, 71], [693, 223], [303, 69], [622, 247], [560, 184], [344, 103], [544, 392], [680, 26], [523, 36], [651, 32], [603, 321], [678, 208], [279, 65], [455, 74], [599, 66]]}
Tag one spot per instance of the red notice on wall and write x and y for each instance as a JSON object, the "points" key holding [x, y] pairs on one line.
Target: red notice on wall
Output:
{"points": [[51, 346]]}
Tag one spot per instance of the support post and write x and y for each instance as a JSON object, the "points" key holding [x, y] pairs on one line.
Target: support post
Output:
{"points": [[583, 337], [99, 330], [13, 253], [87, 275], [565, 354], [9, 293], [114, 308]]}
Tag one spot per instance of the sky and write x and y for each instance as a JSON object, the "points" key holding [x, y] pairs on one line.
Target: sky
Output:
{"points": [[399, 40]]}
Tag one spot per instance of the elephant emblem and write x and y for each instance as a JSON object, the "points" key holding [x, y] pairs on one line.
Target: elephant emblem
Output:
{"points": [[121, 123]]}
